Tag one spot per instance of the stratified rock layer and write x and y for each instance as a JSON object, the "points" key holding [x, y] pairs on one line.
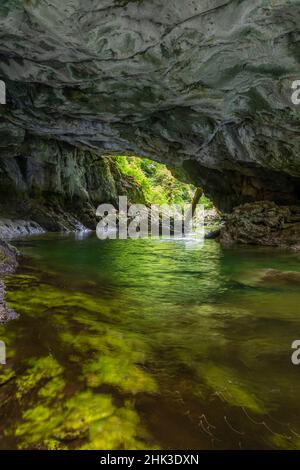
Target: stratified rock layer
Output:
{"points": [[204, 86]]}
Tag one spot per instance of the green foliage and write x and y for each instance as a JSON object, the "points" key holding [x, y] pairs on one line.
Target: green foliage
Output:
{"points": [[156, 181], [206, 202]]}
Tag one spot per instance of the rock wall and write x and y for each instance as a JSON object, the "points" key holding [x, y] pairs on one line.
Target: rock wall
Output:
{"points": [[263, 223], [57, 185], [8, 264], [204, 86]]}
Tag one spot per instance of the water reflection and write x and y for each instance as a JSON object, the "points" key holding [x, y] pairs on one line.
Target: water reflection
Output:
{"points": [[150, 344]]}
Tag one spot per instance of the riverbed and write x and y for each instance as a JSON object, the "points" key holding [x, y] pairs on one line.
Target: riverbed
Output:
{"points": [[150, 344]]}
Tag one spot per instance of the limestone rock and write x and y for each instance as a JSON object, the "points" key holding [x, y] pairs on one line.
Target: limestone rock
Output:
{"points": [[8, 258], [204, 86], [18, 228], [262, 223], [8, 264]]}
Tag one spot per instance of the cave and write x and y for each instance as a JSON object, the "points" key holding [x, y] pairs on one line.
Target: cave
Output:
{"points": [[149, 344], [173, 90]]}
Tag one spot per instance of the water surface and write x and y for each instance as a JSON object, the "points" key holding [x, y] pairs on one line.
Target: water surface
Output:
{"points": [[150, 344]]}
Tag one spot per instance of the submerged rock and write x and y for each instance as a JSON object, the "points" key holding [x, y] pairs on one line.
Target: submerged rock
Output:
{"points": [[275, 276], [271, 278]]}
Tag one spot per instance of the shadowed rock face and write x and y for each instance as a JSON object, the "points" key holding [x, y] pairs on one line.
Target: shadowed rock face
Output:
{"points": [[202, 85], [263, 223]]}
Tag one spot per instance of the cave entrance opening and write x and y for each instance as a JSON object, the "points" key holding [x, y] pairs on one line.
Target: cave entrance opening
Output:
{"points": [[146, 181]]}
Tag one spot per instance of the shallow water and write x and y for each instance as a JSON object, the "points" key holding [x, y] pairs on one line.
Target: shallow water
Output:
{"points": [[150, 344]]}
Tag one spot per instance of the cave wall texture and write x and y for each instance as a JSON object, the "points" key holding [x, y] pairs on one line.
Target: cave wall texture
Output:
{"points": [[202, 85]]}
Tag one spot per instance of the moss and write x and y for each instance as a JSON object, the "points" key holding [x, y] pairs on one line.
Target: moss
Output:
{"points": [[87, 407], [67, 420], [117, 357], [53, 389], [122, 430], [86, 416], [6, 374], [53, 444], [51, 296], [40, 369], [156, 181], [38, 425], [119, 372], [22, 281]]}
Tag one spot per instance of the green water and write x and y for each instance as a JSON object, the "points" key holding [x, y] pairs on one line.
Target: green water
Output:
{"points": [[141, 344]]}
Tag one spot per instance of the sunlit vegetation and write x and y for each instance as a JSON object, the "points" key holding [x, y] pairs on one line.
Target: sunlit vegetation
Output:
{"points": [[158, 184]]}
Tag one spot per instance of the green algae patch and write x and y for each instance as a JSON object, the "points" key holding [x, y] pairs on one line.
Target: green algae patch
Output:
{"points": [[53, 444], [122, 430], [101, 337], [102, 354], [21, 282], [47, 298], [53, 389], [119, 372], [67, 420], [117, 358], [39, 423], [40, 299], [286, 442], [225, 382], [87, 416], [130, 354], [87, 407], [40, 369], [6, 375], [79, 412]]}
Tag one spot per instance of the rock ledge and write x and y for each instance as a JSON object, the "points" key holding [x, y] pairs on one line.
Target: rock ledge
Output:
{"points": [[263, 223]]}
